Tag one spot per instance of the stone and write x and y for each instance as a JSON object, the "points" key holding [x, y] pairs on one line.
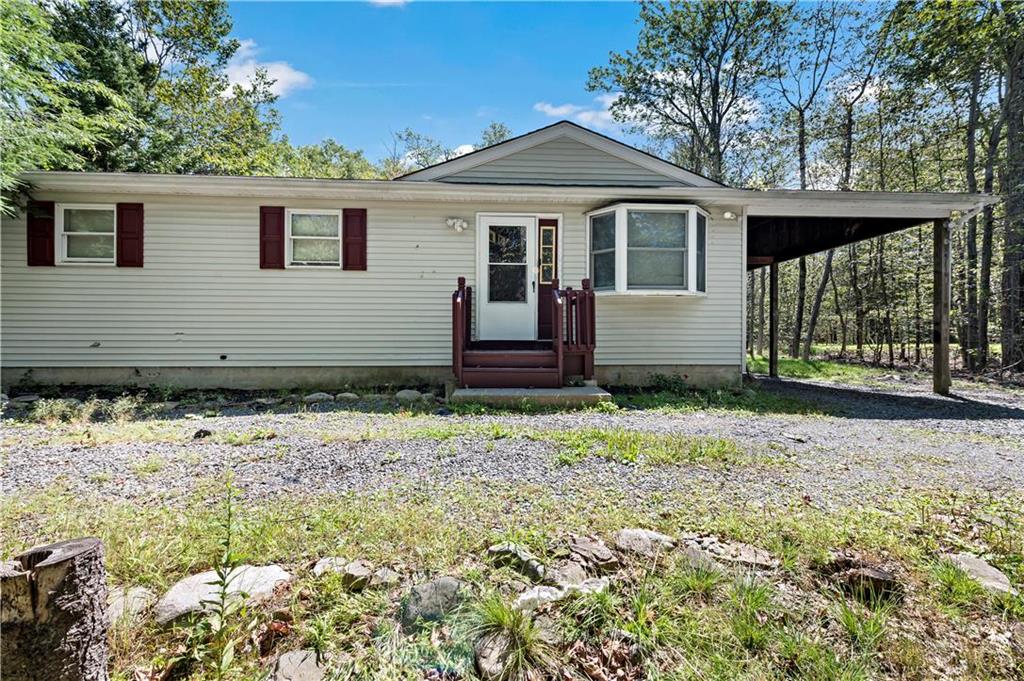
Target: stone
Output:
{"points": [[533, 598], [567, 573], [268, 401], [127, 604], [187, 595], [590, 586], [346, 397], [745, 554], [385, 577], [26, 399], [594, 553], [695, 558], [201, 434], [431, 601], [870, 584], [356, 575], [490, 653], [299, 665], [408, 396], [313, 398], [164, 406], [329, 564], [640, 542], [990, 578], [517, 557]]}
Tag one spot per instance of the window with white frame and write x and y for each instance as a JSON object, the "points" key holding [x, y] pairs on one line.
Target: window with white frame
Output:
{"points": [[313, 238], [648, 249], [87, 233]]}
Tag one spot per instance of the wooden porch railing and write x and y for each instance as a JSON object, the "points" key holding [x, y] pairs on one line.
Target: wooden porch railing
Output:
{"points": [[462, 325], [579, 324], [572, 322]]}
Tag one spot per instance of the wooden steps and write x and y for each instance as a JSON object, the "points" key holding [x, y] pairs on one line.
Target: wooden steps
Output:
{"points": [[510, 369]]}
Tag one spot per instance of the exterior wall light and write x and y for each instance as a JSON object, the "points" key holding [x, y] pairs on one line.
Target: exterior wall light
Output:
{"points": [[457, 224], [729, 215]]}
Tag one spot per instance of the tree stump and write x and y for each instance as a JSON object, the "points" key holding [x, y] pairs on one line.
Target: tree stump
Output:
{"points": [[53, 602]]}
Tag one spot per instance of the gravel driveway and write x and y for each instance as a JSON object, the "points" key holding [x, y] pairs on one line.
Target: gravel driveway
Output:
{"points": [[879, 445]]}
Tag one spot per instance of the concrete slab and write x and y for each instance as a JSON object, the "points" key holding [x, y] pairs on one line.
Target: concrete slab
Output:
{"points": [[504, 397]]}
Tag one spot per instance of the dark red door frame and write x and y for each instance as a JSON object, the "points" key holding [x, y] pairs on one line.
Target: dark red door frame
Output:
{"points": [[544, 329]]}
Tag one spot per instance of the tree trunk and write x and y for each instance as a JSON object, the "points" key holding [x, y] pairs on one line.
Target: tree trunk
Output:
{"points": [[812, 322], [969, 343], [760, 315], [858, 300], [987, 235], [842, 317], [798, 323], [1013, 244], [53, 612]]}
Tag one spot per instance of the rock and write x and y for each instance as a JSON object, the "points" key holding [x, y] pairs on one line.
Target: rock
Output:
{"points": [[646, 543], [128, 604], [317, 397], [26, 399], [164, 406], [533, 598], [590, 586], [490, 653], [187, 595], [517, 557], [385, 577], [698, 559], [71, 402], [346, 397], [356, 575], [870, 584], [567, 573], [268, 401], [201, 434], [594, 553], [745, 554], [408, 396], [298, 665], [443, 411], [990, 578], [431, 601]]}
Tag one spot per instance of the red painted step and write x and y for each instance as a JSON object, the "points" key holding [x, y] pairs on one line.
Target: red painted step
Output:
{"points": [[510, 377], [523, 359]]}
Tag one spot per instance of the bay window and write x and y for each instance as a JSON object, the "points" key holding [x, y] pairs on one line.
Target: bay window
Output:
{"points": [[648, 249]]}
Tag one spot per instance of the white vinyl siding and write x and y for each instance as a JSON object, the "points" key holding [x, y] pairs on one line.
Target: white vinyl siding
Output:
{"points": [[203, 295], [563, 161]]}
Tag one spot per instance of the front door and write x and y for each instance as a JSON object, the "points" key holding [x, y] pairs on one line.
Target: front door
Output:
{"points": [[507, 250]]}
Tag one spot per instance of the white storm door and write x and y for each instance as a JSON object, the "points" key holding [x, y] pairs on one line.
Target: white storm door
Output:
{"points": [[507, 254]]}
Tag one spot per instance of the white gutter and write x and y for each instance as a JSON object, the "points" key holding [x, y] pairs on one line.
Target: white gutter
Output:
{"points": [[786, 202]]}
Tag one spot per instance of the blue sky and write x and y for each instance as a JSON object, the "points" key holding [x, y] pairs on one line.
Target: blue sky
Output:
{"points": [[360, 71]]}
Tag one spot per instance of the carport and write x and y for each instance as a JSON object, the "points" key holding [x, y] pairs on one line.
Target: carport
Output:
{"points": [[788, 224]]}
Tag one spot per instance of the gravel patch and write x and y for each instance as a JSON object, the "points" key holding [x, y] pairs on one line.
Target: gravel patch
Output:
{"points": [[881, 443]]}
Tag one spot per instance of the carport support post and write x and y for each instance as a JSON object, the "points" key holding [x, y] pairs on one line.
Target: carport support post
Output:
{"points": [[940, 298], [773, 320]]}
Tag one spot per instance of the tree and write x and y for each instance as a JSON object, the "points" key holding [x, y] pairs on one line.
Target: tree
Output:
{"points": [[695, 75], [42, 121], [494, 133], [167, 59], [328, 159]]}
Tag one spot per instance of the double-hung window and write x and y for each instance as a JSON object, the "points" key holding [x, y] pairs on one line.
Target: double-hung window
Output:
{"points": [[87, 233], [648, 249], [313, 238]]}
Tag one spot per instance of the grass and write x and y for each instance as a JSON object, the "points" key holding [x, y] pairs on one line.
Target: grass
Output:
{"points": [[630, 446], [525, 653], [819, 369], [248, 437], [956, 589], [725, 625], [749, 400]]}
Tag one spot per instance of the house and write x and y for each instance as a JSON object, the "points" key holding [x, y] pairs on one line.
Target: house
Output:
{"points": [[578, 255]]}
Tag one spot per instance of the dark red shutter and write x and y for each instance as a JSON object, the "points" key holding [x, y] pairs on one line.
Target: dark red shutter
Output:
{"points": [[271, 237], [39, 228], [129, 234], [354, 239]]}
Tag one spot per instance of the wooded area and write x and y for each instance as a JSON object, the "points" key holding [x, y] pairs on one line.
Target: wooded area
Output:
{"points": [[903, 96]]}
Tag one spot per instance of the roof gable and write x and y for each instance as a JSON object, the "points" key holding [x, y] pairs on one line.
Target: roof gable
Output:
{"points": [[561, 154]]}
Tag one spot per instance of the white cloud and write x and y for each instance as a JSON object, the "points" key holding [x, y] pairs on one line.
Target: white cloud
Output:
{"points": [[462, 150], [560, 111], [243, 65], [597, 115]]}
